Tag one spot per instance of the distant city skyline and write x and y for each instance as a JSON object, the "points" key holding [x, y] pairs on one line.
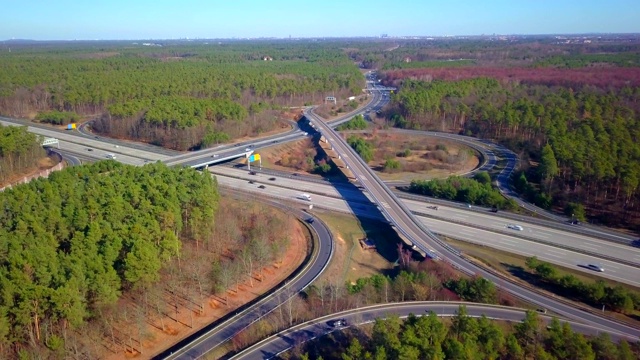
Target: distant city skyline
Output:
{"points": [[161, 19]]}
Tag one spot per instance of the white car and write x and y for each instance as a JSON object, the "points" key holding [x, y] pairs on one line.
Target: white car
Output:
{"points": [[515, 227], [111, 156]]}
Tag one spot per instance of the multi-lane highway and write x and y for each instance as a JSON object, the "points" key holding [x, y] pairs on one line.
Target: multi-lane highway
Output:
{"points": [[299, 334], [561, 247]]}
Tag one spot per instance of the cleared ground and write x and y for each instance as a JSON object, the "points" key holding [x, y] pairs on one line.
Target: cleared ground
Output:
{"points": [[420, 157], [350, 261]]}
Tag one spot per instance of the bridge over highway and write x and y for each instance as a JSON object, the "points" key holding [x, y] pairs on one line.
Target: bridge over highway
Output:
{"points": [[423, 239]]}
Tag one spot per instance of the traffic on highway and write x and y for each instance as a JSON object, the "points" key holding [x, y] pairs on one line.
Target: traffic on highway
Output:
{"points": [[418, 221]]}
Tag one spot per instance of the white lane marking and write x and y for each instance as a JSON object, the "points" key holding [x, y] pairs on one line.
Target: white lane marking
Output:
{"points": [[563, 253]]}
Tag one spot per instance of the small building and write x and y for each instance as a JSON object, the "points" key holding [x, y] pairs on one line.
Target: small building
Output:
{"points": [[407, 59], [267, 58], [351, 98]]}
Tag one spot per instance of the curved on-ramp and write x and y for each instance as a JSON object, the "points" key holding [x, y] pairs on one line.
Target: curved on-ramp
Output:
{"points": [[206, 339], [296, 335]]}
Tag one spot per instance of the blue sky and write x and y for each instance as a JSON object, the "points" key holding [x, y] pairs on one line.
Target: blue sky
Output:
{"points": [[161, 19]]}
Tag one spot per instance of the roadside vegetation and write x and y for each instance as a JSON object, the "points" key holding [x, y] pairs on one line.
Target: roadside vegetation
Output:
{"points": [[426, 280], [583, 283], [476, 191], [356, 123], [596, 294], [362, 147], [464, 337]]}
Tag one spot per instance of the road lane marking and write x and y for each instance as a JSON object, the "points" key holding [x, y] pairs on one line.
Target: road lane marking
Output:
{"points": [[563, 253]]}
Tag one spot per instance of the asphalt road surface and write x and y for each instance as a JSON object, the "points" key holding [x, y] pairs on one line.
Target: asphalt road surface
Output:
{"points": [[353, 201], [316, 328]]}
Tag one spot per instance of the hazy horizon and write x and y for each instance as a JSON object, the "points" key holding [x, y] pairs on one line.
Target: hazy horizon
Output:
{"points": [[68, 20]]}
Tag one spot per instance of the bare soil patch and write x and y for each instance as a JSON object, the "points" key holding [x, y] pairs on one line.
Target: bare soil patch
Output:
{"points": [[420, 157], [43, 164], [427, 157]]}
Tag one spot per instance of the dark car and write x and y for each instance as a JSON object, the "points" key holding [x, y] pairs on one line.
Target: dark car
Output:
{"points": [[338, 323], [252, 173], [574, 222], [251, 181], [310, 220], [89, 149], [272, 179], [261, 187], [495, 209]]}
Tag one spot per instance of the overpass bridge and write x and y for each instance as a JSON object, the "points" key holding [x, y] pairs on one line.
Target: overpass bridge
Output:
{"points": [[421, 238]]}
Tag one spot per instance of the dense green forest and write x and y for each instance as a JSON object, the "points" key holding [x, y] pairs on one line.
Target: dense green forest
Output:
{"points": [[188, 91], [19, 150], [464, 338], [93, 258], [577, 144], [76, 241]]}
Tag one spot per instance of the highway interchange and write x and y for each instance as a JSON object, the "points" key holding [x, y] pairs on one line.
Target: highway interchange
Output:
{"points": [[400, 213]]}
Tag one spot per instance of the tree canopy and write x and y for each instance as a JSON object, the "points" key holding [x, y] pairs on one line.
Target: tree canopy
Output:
{"points": [[78, 239], [19, 150]]}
